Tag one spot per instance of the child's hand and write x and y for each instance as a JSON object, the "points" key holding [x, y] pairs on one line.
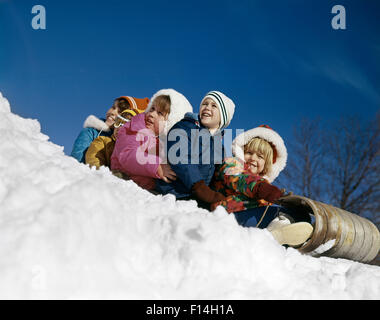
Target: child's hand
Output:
{"points": [[268, 192], [166, 173], [205, 193]]}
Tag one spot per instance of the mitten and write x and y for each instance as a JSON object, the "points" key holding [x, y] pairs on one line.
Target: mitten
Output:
{"points": [[268, 192], [204, 193]]}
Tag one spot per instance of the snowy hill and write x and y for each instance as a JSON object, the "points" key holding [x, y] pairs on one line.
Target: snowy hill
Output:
{"points": [[70, 232]]}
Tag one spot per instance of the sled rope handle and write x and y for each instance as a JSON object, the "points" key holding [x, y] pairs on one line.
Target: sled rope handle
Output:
{"points": [[262, 217]]}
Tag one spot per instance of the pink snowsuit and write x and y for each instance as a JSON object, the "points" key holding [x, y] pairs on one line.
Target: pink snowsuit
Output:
{"points": [[136, 152]]}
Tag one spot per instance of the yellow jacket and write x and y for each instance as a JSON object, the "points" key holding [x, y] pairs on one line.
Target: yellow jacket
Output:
{"points": [[100, 151]]}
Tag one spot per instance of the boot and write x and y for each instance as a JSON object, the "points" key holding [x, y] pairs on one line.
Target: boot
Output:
{"points": [[293, 234], [281, 220]]}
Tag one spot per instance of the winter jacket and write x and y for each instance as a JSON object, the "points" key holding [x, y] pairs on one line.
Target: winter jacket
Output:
{"points": [[136, 152], [196, 161], [100, 151], [234, 180], [93, 127]]}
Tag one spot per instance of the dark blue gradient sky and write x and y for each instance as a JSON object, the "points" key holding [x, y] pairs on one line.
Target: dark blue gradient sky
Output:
{"points": [[279, 61]]}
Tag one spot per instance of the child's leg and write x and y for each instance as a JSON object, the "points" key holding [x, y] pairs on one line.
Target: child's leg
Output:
{"points": [[282, 226], [290, 227], [294, 214], [251, 217], [294, 234]]}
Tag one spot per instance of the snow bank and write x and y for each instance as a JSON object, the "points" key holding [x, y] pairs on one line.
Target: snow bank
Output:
{"points": [[67, 231]]}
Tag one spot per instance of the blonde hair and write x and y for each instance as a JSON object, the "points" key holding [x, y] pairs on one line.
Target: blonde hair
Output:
{"points": [[263, 147], [163, 103]]}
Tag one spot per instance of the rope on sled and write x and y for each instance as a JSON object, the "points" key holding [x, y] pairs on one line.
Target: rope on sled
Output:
{"points": [[262, 217]]}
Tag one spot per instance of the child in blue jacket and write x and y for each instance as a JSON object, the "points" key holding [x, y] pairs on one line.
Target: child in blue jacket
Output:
{"points": [[194, 146], [94, 127]]}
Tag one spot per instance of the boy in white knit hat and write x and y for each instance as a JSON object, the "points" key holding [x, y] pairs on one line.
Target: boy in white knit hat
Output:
{"points": [[198, 138]]}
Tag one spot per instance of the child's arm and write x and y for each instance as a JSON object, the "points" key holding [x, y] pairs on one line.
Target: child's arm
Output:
{"points": [[234, 177], [96, 155], [189, 173], [133, 158], [81, 144]]}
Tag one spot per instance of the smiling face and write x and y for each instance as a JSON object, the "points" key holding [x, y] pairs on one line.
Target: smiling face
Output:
{"points": [[258, 155], [111, 115], [209, 114], [119, 105], [255, 162]]}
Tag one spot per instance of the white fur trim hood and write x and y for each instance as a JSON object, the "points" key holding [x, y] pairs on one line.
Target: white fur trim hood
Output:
{"points": [[96, 123], [269, 135], [179, 106]]}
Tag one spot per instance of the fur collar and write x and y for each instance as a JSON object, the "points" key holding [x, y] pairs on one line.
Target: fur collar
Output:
{"points": [[96, 123]]}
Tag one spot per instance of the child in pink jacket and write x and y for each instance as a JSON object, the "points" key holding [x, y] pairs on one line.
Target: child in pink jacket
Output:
{"points": [[136, 151]]}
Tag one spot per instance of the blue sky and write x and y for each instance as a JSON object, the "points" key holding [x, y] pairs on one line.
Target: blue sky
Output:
{"points": [[279, 61]]}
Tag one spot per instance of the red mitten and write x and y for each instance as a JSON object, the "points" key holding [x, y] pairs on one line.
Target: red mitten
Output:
{"points": [[204, 193], [268, 192]]}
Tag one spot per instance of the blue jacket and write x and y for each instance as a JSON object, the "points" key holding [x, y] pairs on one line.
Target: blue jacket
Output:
{"points": [[192, 155], [92, 129]]}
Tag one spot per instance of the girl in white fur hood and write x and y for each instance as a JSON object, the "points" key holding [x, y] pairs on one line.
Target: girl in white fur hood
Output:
{"points": [[245, 180], [137, 147]]}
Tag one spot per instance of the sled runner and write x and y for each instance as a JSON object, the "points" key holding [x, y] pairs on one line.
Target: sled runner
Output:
{"points": [[337, 233]]}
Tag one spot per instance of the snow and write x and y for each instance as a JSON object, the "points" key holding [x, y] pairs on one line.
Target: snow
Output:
{"points": [[69, 232], [323, 247]]}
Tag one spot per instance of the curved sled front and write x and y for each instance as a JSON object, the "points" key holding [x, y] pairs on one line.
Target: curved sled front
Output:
{"points": [[337, 233]]}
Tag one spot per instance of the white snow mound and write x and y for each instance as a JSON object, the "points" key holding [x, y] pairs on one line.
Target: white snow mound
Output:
{"points": [[69, 232]]}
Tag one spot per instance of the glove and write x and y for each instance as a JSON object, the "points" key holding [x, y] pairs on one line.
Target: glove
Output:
{"points": [[204, 193], [268, 192]]}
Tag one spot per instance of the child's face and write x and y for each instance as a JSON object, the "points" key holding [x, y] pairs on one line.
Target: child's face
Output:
{"points": [[255, 162], [209, 114], [155, 120], [111, 115]]}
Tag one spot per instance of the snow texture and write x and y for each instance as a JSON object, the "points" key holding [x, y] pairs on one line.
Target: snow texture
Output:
{"points": [[69, 232]]}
